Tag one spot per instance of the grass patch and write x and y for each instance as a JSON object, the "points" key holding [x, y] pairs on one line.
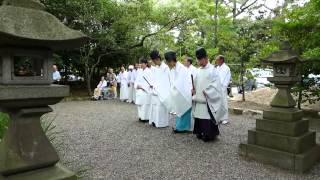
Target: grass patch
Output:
{"points": [[4, 121]]}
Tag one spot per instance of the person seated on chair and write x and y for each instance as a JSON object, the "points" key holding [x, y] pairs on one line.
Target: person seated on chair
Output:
{"points": [[98, 91]]}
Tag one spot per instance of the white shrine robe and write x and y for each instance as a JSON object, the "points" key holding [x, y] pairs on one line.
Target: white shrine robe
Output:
{"points": [[207, 80], [225, 77], [133, 80], [143, 96], [124, 90], [180, 99], [159, 114], [192, 70], [130, 88]]}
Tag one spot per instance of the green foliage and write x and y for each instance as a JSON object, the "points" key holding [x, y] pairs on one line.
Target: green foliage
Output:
{"points": [[120, 31], [123, 31], [4, 122]]}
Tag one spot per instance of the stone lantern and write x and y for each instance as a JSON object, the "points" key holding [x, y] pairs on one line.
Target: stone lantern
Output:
{"points": [[285, 71], [28, 37], [282, 137]]}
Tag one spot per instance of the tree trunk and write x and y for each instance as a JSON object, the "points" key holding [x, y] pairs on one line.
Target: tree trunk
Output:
{"points": [[300, 93], [216, 23], [234, 12], [242, 81], [88, 80]]}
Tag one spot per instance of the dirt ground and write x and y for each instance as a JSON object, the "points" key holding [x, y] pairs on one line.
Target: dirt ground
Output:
{"points": [[261, 98]]}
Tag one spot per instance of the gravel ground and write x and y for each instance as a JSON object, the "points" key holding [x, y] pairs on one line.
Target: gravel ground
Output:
{"points": [[106, 138]]}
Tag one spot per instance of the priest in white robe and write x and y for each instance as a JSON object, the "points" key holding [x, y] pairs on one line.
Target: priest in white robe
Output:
{"points": [[188, 64], [131, 84], [133, 79], [143, 91], [124, 85], [225, 77], [159, 114], [180, 93], [208, 106]]}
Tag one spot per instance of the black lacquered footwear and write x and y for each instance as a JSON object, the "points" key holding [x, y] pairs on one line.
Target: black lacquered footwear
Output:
{"points": [[199, 136]]}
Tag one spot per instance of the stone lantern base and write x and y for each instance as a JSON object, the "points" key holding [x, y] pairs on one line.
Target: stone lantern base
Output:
{"points": [[25, 151], [56, 172], [282, 138]]}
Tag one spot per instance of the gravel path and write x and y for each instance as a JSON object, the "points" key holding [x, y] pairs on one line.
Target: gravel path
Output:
{"points": [[106, 137]]}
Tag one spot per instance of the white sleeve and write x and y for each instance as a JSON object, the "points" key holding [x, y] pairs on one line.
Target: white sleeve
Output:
{"points": [[130, 77], [227, 77], [136, 82], [125, 76], [215, 75], [104, 84], [58, 75], [99, 85]]}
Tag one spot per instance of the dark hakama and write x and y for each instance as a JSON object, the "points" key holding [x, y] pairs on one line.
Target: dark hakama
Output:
{"points": [[206, 128]]}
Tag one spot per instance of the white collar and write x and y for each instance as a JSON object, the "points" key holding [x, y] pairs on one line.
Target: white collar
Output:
{"points": [[207, 66]]}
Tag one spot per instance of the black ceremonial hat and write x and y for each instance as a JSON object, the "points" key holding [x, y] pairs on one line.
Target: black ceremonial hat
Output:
{"points": [[170, 56], [201, 53], [155, 54], [143, 61]]}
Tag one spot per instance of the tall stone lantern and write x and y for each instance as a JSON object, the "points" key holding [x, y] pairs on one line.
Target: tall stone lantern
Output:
{"points": [[282, 137], [28, 37]]}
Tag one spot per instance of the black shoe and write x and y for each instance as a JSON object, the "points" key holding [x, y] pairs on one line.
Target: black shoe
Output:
{"points": [[175, 131], [179, 132], [205, 139], [140, 120], [199, 136], [153, 124]]}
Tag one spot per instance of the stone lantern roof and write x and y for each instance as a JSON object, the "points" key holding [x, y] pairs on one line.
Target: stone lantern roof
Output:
{"points": [[284, 56], [25, 23]]}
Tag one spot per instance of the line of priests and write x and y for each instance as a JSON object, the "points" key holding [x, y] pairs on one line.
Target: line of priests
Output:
{"points": [[168, 86]]}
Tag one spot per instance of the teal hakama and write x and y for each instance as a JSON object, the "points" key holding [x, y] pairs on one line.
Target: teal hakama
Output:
{"points": [[183, 123]]}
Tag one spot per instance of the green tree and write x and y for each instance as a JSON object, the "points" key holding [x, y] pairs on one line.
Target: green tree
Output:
{"points": [[118, 30]]}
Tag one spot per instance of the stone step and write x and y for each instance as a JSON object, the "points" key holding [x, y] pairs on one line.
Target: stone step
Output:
{"points": [[296, 128], [237, 111], [250, 112], [57, 172], [296, 162], [281, 142], [283, 114], [254, 112], [311, 113]]}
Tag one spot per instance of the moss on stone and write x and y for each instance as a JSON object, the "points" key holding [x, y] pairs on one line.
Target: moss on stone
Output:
{"points": [[29, 25], [33, 4]]}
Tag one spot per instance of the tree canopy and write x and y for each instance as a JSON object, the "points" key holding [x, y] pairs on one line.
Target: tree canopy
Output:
{"points": [[245, 31]]}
